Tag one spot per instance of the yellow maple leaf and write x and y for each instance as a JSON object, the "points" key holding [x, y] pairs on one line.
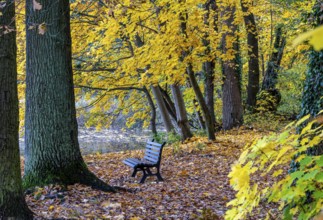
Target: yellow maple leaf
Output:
{"points": [[315, 38]]}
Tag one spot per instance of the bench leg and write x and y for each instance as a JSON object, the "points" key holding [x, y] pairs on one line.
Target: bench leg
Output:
{"points": [[134, 172], [144, 176], [159, 177]]}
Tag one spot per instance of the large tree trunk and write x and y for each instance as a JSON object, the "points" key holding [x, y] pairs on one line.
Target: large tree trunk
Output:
{"points": [[162, 108], [52, 152], [253, 53], [12, 201], [199, 96], [181, 113], [232, 104]]}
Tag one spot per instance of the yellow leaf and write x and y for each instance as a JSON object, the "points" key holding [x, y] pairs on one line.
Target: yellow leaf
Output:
{"points": [[315, 38], [277, 173], [51, 208], [42, 29]]}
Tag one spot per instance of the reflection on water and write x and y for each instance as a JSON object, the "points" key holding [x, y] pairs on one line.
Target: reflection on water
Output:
{"points": [[92, 141]]}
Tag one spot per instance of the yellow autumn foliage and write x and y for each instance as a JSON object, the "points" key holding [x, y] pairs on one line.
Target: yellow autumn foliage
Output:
{"points": [[298, 193]]}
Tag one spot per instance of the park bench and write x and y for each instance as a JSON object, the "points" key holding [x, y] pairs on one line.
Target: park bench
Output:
{"points": [[151, 159]]}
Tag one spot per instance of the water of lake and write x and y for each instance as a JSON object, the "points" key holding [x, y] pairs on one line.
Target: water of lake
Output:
{"points": [[92, 141]]}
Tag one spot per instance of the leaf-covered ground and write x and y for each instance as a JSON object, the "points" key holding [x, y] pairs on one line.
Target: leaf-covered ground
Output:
{"points": [[195, 176]]}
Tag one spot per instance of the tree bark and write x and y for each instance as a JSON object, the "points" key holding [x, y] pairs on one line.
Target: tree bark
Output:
{"points": [[199, 96], [162, 108], [253, 53], [181, 113], [52, 152], [12, 201], [232, 104]]}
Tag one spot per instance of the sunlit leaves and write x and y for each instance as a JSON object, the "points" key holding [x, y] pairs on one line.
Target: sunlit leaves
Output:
{"points": [[314, 37], [293, 189]]}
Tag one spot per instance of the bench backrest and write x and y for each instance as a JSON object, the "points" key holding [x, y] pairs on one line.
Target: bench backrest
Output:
{"points": [[153, 152]]}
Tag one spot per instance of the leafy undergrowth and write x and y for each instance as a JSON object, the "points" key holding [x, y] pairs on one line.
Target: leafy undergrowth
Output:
{"points": [[195, 176]]}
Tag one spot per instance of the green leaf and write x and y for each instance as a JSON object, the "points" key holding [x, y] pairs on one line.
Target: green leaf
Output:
{"points": [[318, 195], [319, 177], [304, 162], [310, 175]]}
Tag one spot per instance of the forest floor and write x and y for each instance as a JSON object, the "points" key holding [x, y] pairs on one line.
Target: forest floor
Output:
{"points": [[196, 184]]}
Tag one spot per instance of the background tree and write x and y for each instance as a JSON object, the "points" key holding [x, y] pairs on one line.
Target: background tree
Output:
{"points": [[52, 150], [273, 66], [181, 113], [12, 202], [232, 103], [253, 53], [211, 16]]}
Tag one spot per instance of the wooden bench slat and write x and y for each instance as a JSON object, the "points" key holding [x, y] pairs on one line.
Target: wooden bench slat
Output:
{"points": [[154, 144], [155, 153], [129, 163], [152, 147], [152, 156], [152, 159], [133, 160]]}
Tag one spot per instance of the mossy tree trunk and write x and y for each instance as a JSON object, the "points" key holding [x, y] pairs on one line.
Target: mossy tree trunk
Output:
{"points": [[12, 201], [52, 152], [312, 100]]}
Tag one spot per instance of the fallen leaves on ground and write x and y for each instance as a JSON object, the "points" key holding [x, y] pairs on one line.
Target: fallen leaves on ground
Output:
{"points": [[195, 176]]}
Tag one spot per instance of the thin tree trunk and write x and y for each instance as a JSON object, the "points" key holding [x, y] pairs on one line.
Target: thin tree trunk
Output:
{"points": [[253, 53], [153, 111], [208, 66], [12, 201], [232, 104], [181, 113], [162, 108], [52, 152], [196, 108], [169, 104], [199, 96], [199, 115]]}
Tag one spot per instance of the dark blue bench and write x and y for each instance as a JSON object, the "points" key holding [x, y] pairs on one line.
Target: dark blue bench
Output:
{"points": [[151, 159]]}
